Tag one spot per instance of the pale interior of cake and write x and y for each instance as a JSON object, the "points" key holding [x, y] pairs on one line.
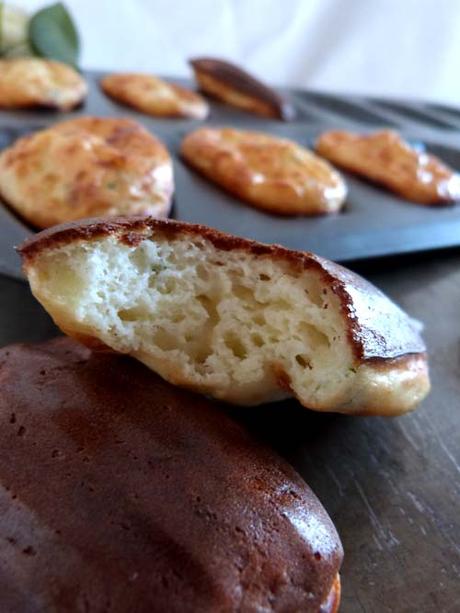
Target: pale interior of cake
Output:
{"points": [[241, 327]]}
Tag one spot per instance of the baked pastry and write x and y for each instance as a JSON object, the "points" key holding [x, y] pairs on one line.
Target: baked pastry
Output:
{"points": [[384, 157], [28, 82], [238, 320], [120, 492], [153, 96], [85, 167], [235, 86], [271, 173]]}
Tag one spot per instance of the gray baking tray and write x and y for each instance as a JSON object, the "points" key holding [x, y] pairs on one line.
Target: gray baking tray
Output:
{"points": [[373, 223]]}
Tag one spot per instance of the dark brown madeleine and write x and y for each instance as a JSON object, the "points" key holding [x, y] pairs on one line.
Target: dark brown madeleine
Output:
{"points": [[235, 86], [122, 493]]}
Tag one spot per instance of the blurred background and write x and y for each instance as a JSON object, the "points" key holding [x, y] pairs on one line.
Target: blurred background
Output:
{"points": [[394, 48]]}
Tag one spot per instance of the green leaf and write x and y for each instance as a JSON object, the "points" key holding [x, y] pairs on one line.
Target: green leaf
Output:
{"points": [[52, 34]]}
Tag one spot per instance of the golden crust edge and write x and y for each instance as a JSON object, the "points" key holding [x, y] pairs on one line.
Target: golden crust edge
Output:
{"points": [[133, 229]]}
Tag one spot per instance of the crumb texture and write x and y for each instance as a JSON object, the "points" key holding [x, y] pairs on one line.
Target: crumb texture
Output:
{"points": [[239, 327], [240, 321]]}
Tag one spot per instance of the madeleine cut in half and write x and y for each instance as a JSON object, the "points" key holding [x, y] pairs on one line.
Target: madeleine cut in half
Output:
{"points": [[238, 320], [270, 173]]}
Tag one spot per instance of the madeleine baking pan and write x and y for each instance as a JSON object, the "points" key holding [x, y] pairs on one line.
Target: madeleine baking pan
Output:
{"points": [[373, 223]]}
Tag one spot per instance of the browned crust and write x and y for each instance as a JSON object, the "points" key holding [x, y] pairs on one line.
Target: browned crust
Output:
{"points": [[127, 456], [240, 80], [388, 340], [332, 602], [221, 91]]}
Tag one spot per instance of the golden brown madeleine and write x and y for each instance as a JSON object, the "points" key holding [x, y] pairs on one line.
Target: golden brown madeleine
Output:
{"points": [[116, 487], [233, 85], [269, 172], [85, 167], [238, 320], [30, 82], [154, 96], [384, 157]]}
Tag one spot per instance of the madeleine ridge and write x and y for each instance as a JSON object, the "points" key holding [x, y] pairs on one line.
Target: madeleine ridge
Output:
{"points": [[241, 321]]}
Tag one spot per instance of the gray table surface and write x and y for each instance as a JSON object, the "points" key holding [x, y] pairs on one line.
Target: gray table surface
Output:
{"points": [[392, 486]]}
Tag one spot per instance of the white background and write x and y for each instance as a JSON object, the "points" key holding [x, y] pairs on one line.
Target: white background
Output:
{"points": [[402, 48]]}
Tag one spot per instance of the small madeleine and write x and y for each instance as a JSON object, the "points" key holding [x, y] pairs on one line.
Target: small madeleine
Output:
{"points": [[384, 157], [153, 96], [86, 167], [234, 86], [271, 173], [36, 82]]}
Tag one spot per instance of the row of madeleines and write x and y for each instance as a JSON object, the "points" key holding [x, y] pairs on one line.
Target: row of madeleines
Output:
{"points": [[91, 166], [126, 170], [32, 82], [187, 511]]}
